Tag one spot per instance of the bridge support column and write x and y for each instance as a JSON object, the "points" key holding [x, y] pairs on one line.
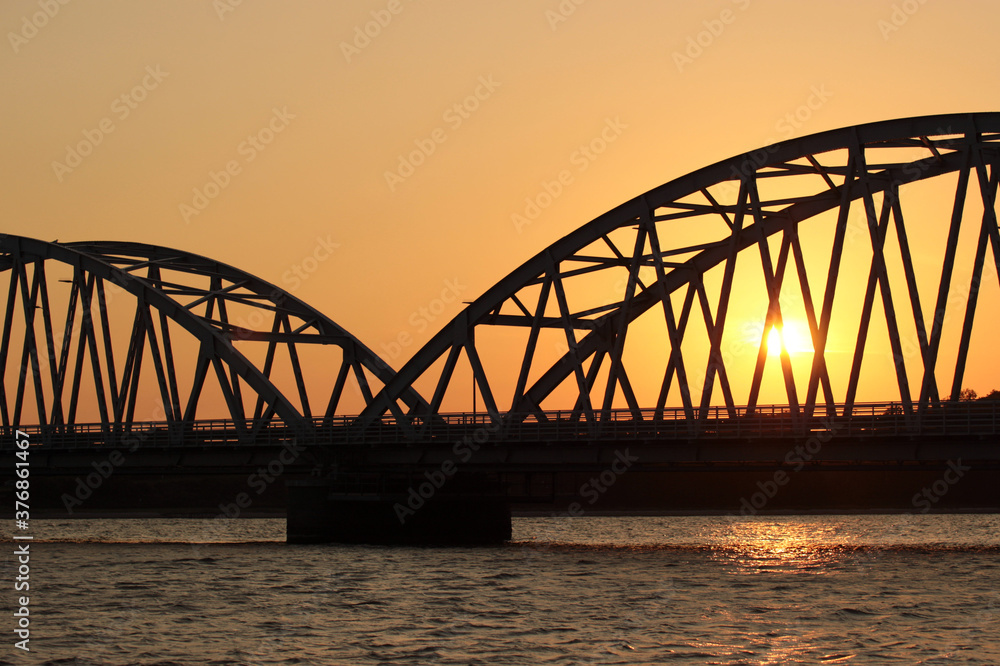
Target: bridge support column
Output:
{"points": [[319, 513]]}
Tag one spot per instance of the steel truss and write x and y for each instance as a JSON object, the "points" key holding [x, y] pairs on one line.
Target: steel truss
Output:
{"points": [[164, 291], [757, 200]]}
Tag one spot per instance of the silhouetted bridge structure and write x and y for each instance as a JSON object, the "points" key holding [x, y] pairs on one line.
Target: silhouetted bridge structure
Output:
{"points": [[774, 423], [638, 343], [545, 462]]}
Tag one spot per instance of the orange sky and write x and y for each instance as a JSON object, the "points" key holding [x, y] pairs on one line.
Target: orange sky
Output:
{"points": [[300, 117]]}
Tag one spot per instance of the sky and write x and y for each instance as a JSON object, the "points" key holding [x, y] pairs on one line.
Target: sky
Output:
{"points": [[264, 134]]}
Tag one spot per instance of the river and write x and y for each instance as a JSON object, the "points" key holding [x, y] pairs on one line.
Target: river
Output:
{"points": [[591, 590]]}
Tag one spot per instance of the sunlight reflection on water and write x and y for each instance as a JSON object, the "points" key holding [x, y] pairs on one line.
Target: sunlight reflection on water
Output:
{"points": [[594, 590]]}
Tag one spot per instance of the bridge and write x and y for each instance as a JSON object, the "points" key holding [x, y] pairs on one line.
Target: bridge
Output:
{"points": [[658, 339]]}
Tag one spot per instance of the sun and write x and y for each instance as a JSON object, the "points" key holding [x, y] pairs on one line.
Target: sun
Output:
{"points": [[794, 336]]}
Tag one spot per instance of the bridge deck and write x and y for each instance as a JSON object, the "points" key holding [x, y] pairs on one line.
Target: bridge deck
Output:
{"points": [[870, 420]]}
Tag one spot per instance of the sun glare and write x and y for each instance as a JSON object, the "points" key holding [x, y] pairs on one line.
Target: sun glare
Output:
{"points": [[795, 338], [774, 342]]}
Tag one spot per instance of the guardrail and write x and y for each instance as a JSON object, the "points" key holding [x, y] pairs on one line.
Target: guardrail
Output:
{"points": [[949, 419]]}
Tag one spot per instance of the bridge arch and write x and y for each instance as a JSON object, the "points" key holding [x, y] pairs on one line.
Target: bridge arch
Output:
{"points": [[661, 250], [243, 328]]}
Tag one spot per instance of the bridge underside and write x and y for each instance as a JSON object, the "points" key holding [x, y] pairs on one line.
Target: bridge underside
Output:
{"points": [[458, 490]]}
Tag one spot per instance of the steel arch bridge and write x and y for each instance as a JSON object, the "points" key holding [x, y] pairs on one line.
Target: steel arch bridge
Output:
{"points": [[660, 309], [669, 257], [643, 339], [126, 307]]}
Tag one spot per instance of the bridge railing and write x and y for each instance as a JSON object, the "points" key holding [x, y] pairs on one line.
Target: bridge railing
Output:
{"points": [[201, 433], [772, 421], [973, 418]]}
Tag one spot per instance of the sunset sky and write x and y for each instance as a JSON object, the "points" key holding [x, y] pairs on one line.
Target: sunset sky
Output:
{"points": [[260, 133]]}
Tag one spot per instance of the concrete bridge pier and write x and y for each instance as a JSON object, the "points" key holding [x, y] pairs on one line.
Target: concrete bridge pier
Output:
{"points": [[322, 512]]}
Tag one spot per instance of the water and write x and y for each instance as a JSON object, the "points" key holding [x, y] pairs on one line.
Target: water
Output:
{"points": [[593, 590]]}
